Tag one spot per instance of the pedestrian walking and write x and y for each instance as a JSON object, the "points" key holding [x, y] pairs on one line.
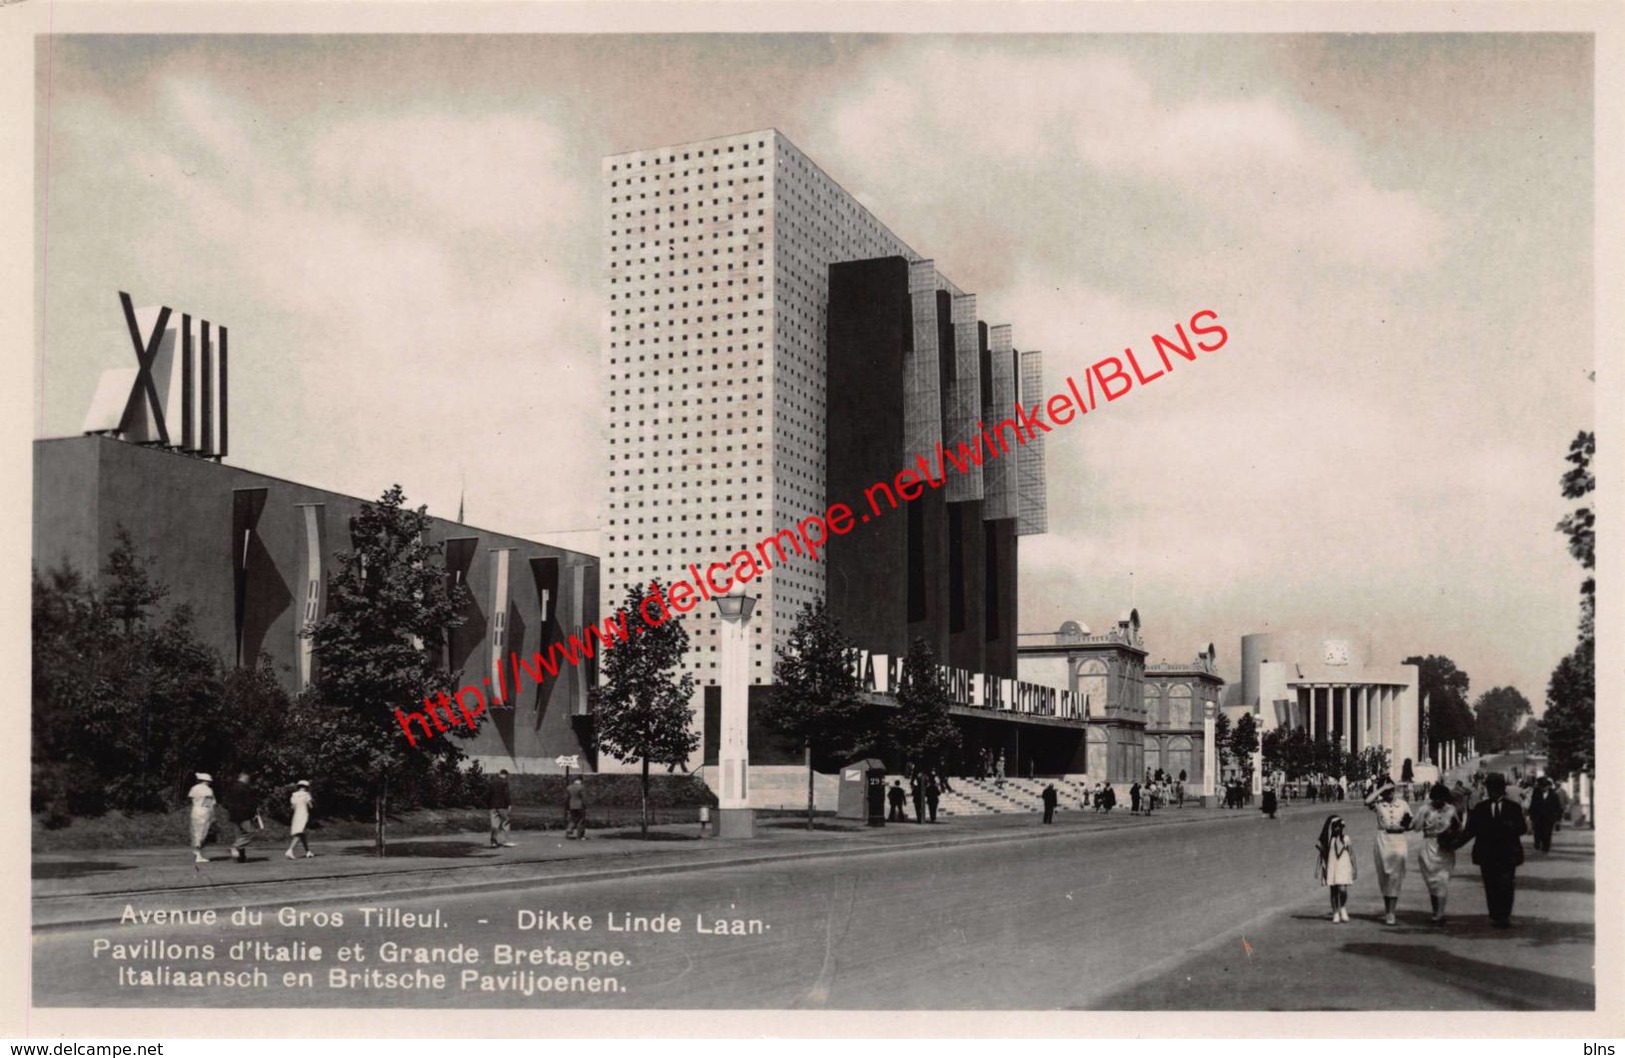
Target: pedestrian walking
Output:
{"points": [[243, 810], [1391, 849], [302, 804], [202, 797], [895, 798], [501, 803], [1439, 823], [575, 805], [1148, 797], [1495, 827], [917, 793], [932, 795], [1335, 865], [998, 771], [1134, 799], [1545, 809], [1051, 798], [1110, 797], [1268, 804]]}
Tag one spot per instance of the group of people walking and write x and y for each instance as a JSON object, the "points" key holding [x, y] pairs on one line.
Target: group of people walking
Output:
{"points": [[1494, 827], [925, 790], [242, 804]]}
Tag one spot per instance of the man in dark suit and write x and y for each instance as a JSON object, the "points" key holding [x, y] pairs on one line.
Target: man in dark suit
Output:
{"points": [[1051, 799], [1545, 809], [1495, 826]]}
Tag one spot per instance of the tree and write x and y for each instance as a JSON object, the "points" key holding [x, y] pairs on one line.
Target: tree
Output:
{"points": [[378, 649], [1571, 713], [641, 712], [815, 700], [924, 730], [1243, 743], [1497, 716], [128, 701], [1373, 762], [1221, 738], [1444, 687], [1569, 723]]}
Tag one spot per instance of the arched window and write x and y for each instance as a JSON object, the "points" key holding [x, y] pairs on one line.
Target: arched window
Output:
{"points": [[1092, 685], [1179, 706], [1179, 757], [1156, 706]]}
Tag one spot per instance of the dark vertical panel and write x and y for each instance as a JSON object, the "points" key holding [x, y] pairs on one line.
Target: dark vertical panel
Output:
{"points": [[868, 336], [186, 383], [956, 569], [206, 370], [461, 641], [220, 449], [990, 552], [246, 507], [916, 561]]}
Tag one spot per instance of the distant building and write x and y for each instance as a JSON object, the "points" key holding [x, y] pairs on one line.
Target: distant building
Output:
{"points": [[1137, 716], [1330, 685], [1177, 697]]}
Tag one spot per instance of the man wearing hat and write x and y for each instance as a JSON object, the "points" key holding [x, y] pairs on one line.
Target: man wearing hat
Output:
{"points": [[1495, 826], [1545, 809]]}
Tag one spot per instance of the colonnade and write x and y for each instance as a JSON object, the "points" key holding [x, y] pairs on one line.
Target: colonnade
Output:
{"points": [[1358, 715]]}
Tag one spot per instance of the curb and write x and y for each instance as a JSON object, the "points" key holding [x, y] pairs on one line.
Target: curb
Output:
{"points": [[265, 899]]}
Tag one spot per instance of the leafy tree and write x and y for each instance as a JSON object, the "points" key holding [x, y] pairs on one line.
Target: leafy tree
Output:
{"points": [[128, 701], [923, 728], [1571, 713], [641, 712], [1498, 714], [1221, 738], [1373, 762], [1580, 525], [1243, 743], [815, 700], [378, 650], [1444, 687], [1569, 723]]}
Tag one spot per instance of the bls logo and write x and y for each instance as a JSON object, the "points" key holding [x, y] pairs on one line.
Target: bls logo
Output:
{"points": [[178, 385]]}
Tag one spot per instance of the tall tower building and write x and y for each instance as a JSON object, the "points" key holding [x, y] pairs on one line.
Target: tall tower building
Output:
{"points": [[718, 372]]}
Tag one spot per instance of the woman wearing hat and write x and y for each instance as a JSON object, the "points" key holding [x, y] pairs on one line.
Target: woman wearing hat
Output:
{"points": [[302, 803], [1439, 824], [202, 797], [1393, 820]]}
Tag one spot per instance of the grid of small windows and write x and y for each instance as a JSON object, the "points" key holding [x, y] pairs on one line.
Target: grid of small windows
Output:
{"points": [[716, 272]]}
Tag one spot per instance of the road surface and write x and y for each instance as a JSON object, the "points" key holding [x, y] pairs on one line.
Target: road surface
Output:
{"points": [[1063, 920]]}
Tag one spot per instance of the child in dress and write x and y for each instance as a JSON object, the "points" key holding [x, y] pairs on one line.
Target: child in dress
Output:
{"points": [[1336, 867]]}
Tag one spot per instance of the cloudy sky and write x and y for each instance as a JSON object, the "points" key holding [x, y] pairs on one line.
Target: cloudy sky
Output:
{"points": [[403, 235]]}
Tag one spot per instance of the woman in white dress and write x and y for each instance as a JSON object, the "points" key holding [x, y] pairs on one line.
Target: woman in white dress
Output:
{"points": [[1439, 824], [1393, 820], [302, 803], [202, 798], [1335, 866]]}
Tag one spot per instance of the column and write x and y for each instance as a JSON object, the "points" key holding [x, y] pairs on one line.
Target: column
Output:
{"points": [[1312, 711], [1210, 753], [734, 816], [1348, 718]]}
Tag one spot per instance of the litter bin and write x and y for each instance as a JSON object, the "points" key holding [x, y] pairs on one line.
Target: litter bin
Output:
{"points": [[862, 792]]}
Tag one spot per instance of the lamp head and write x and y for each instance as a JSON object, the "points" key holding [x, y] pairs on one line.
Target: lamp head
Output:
{"points": [[735, 607]]}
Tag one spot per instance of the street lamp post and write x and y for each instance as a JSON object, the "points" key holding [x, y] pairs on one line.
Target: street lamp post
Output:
{"points": [[734, 816]]}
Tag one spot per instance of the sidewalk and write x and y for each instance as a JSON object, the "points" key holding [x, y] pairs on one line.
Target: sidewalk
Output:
{"points": [[1298, 960], [82, 887]]}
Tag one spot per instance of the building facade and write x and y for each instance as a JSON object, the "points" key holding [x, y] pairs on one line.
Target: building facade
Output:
{"points": [[741, 402], [1130, 707], [252, 556], [1329, 684], [1177, 696]]}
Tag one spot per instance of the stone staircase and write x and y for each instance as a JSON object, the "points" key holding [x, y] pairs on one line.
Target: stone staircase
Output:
{"points": [[981, 797]]}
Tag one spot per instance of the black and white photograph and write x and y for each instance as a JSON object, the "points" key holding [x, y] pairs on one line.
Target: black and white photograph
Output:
{"points": [[1085, 512]]}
